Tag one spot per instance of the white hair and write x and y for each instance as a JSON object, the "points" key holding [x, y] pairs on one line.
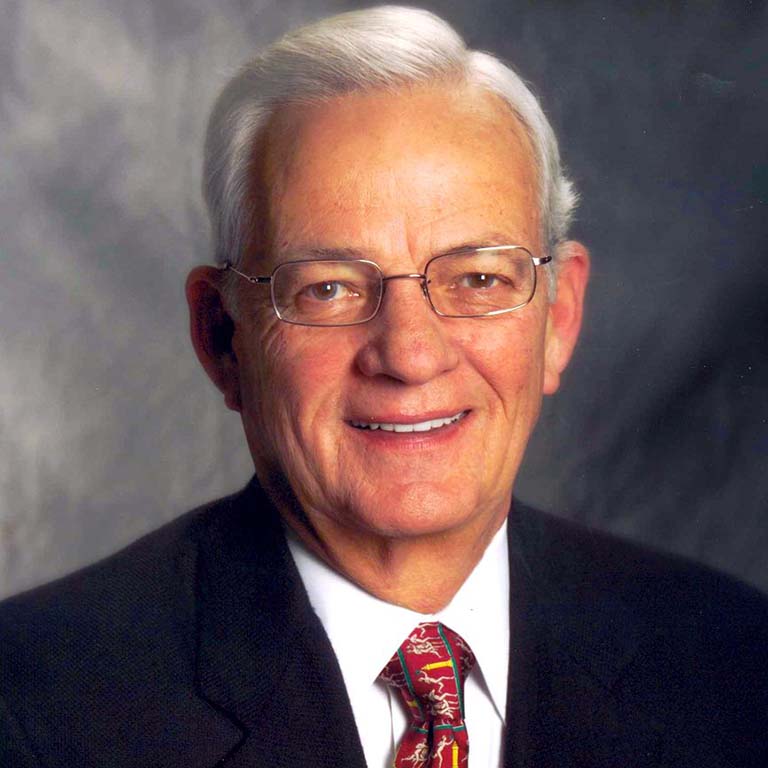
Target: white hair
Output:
{"points": [[385, 47]]}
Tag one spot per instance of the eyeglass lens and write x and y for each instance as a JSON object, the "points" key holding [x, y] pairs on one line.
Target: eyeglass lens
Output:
{"points": [[480, 283], [327, 292], [466, 284]]}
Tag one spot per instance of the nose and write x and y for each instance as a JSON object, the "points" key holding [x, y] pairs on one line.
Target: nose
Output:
{"points": [[407, 341]]}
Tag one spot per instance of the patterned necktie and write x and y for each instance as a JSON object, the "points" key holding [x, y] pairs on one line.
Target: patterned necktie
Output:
{"points": [[429, 670]]}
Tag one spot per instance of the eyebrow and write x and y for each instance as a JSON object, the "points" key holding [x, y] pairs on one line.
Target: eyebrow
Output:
{"points": [[487, 241], [316, 253]]}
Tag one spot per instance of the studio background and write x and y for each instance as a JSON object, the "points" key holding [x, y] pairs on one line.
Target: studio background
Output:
{"points": [[109, 427]]}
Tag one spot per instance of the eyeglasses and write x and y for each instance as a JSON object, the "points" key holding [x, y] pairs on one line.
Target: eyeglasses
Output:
{"points": [[477, 282]]}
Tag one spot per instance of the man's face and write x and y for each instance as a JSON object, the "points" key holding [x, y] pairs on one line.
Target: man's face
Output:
{"points": [[397, 179]]}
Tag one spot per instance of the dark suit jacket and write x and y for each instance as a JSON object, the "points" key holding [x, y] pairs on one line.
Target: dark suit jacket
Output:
{"points": [[197, 647]]}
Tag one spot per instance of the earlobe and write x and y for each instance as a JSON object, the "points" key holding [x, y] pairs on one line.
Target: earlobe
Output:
{"points": [[565, 313], [212, 330]]}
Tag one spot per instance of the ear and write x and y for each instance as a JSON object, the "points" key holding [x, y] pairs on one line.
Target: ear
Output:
{"points": [[564, 314], [212, 329]]}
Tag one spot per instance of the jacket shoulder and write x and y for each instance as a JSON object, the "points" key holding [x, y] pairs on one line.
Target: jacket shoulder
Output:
{"points": [[107, 639], [586, 563], [674, 639], [107, 587]]}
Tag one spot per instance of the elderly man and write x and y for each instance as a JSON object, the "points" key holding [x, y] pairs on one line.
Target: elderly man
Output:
{"points": [[395, 292]]}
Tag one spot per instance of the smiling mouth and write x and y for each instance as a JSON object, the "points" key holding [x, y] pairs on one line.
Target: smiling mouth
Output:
{"points": [[419, 426]]}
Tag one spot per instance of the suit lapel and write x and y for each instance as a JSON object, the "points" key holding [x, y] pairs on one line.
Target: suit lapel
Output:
{"points": [[263, 657], [572, 649]]}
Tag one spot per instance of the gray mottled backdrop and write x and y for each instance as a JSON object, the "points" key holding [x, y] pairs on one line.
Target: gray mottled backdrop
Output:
{"points": [[107, 425]]}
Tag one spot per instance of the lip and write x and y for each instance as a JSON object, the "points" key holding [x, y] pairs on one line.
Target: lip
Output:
{"points": [[454, 421]]}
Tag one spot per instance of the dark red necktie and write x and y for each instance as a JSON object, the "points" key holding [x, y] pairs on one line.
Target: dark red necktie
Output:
{"points": [[429, 670]]}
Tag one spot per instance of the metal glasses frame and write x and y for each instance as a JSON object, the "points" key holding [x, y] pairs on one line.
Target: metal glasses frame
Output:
{"points": [[537, 261]]}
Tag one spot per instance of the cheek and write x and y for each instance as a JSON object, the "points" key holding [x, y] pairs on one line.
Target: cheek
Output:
{"points": [[299, 378], [257, 348], [509, 359], [296, 375]]}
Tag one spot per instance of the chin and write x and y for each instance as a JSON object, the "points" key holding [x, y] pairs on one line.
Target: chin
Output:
{"points": [[414, 510]]}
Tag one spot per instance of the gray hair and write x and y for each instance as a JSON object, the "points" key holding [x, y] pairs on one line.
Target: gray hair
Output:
{"points": [[385, 47]]}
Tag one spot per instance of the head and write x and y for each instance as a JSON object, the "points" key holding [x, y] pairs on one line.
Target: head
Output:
{"points": [[377, 134], [378, 49]]}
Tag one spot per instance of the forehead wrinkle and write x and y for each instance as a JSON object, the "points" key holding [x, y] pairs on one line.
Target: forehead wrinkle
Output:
{"points": [[305, 230]]}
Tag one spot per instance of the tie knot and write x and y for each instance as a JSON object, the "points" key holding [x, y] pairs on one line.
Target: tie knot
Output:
{"points": [[429, 670]]}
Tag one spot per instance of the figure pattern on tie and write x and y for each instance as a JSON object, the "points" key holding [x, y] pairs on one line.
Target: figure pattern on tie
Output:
{"points": [[429, 670]]}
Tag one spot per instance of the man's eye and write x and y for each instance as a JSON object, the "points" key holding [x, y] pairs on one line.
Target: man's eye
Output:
{"points": [[478, 280], [328, 290]]}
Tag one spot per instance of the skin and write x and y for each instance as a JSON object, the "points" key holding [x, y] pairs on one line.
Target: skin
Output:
{"points": [[398, 177]]}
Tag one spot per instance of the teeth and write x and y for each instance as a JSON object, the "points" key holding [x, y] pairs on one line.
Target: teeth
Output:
{"points": [[421, 426]]}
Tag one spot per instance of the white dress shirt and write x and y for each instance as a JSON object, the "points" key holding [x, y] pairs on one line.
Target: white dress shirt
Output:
{"points": [[365, 632]]}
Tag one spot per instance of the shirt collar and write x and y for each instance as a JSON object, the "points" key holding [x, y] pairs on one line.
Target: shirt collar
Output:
{"points": [[365, 631]]}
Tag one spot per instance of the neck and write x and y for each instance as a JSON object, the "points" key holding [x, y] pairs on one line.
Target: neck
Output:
{"points": [[422, 573]]}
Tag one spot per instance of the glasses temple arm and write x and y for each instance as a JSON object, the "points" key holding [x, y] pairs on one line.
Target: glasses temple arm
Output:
{"points": [[227, 267]]}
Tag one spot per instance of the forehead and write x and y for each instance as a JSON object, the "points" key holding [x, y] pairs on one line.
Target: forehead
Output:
{"points": [[411, 168]]}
